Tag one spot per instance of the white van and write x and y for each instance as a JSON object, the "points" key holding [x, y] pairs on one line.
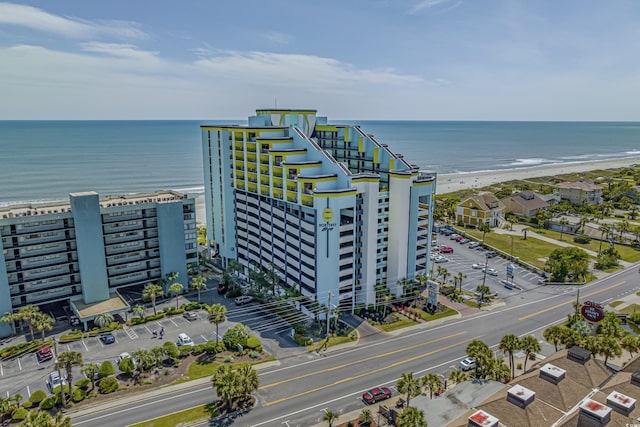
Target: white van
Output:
{"points": [[183, 339]]}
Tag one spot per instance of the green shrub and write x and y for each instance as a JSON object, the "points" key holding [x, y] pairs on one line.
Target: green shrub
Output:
{"points": [[184, 350], [198, 349], [48, 403], [254, 354], [253, 343], [195, 305], [38, 396], [78, 394], [83, 383], [235, 335], [300, 339], [171, 349], [228, 359], [108, 385], [635, 317], [27, 404], [582, 239], [106, 369], [234, 291], [210, 347], [127, 365], [19, 414]]}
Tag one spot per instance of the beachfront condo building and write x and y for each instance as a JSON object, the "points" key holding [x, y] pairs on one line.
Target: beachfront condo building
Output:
{"points": [[326, 207], [81, 252]]}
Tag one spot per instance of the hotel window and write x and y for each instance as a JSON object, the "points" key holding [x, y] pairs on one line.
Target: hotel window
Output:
{"points": [[278, 160], [308, 188], [293, 173]]}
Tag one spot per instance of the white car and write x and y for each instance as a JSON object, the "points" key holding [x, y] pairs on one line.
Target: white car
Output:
{"points": [[55, 380], [491, 271], [242, 300], [474, 244], [454, 236], [184, 339], [440, 258], [467, 363], [463, 241], [477, 266]]}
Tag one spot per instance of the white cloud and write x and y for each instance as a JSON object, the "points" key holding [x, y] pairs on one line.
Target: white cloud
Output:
{"points": [[428, 4], [277, 38], [119, 50], [37, 19]]}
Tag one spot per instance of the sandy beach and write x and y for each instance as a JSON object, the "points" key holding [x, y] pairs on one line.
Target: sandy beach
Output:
{"points": [[448, 183]]}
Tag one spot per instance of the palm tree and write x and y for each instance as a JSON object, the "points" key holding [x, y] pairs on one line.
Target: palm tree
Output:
{"points": [[498, 370], [509, 344], [529, 345], [227, 384], [103, 319], [485, 228], [411, 417], [563, 222], [250, 381], [151, 292], [608, 347], [43, 322], [482, 355], [199, 284], [431, 381], [365, 418], [176, 288], [410, 385], [553, 335], [568, 336], [90, 370], [217, 315], [631, 344], [461, 277], [167, 279], [482, 290], [330, 417], [39, 418], [604, 229], [458, 376], [139, 310], [24, 314], [67, 360], [611, 326]]}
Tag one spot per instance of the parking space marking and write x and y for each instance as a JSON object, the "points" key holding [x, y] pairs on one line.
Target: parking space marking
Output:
{"points": [[28, 391], [204, 338], [1, 370], [19, 364], [174, 323], [85, 345]]}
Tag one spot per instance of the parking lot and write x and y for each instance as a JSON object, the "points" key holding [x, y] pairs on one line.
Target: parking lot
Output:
{"points": [[25, 374], [463, 258]]}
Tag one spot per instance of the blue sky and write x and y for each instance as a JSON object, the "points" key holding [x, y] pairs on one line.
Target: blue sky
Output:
{"points": [[349, 59]]}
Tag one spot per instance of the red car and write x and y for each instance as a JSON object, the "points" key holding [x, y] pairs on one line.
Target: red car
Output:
{"points": [[376, 394], [44, 354], [446, 250]]}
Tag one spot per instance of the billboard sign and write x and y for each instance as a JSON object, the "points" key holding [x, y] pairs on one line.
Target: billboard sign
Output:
{"points": [[592, 312], [432, 293]]}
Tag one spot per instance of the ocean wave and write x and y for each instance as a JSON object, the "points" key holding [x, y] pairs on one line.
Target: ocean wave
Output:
{"points": [[528, 162]]}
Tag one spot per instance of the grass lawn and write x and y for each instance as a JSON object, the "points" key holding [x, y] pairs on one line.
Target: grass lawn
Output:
{"points": [[403, 322], [186, 416], [614, 304], [630, 309], [334, 341], [206, 369], [532, 251], [626, 253], [429, 317]]}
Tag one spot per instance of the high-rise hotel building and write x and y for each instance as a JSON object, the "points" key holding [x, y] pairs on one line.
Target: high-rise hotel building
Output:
{"points": [[80, 252], [330, 208]]}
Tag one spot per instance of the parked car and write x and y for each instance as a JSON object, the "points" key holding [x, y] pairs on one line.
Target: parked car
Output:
{"points": [[446, 232], [446, 250], [440, 259], [474, 245], [464, 241], [44, 354], [454, 236], [122, 356], [492, 254], [244, 299], [74, 321], [467, 363], [491, 271], [376, 394], [55, 380], [190, 315], [184, 339], [458, 238], [477, 266], [107, 338]]}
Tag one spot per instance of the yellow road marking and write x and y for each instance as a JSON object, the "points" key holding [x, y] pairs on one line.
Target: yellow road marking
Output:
{"points": [[355, 362], [569, 302], [370, 372]]}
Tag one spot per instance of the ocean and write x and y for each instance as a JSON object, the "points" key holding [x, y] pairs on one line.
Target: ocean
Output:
{"points": [[47, 160]]}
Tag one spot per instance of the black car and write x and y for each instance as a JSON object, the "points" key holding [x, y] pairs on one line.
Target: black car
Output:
{"points": [[491, 254], [107, 338]]}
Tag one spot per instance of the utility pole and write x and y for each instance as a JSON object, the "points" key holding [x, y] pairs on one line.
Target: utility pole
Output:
{"points": [[62, 392], [328, 314]]}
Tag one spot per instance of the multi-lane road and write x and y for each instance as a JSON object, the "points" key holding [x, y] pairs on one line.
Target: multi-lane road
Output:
{"points": [[297, 392]]}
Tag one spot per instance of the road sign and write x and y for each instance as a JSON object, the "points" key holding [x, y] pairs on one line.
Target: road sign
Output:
{"points": [[510, 268]]}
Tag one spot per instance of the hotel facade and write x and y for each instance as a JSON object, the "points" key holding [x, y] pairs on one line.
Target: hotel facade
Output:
{"points": [[82, 251], [328, 207]]}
